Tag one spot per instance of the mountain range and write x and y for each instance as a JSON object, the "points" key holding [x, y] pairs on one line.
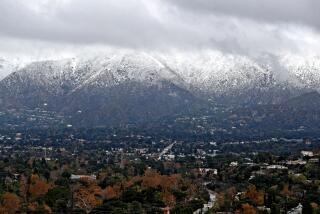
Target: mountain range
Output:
{"points": [[135, 87]]}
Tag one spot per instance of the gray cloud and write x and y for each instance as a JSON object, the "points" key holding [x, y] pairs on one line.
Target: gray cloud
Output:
{"points": [[246, 26], [305, 12], [79, 22]]}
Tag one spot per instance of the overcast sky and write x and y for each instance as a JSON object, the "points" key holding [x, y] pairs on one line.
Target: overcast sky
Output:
{"points": [[41, 28]]}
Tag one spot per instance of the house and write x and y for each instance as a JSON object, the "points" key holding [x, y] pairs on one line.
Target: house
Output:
{"points": [[263, 209], [85, 177], [296, 162], [204, 171], [258, 173], [307, 153], [234, 163], [276, 167], [296, 210], [169, 157], [314, 160]]}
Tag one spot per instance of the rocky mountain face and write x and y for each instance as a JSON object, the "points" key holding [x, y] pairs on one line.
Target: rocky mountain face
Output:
{"points": [[126, 87]]}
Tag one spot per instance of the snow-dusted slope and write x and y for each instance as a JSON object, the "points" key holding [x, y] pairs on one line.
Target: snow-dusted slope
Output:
{"points": [[208, 72], [220, 73], [305, 69], [127, 67], [122, 86], [70, 75], [217, 73], [130, 85], [7, 66]]}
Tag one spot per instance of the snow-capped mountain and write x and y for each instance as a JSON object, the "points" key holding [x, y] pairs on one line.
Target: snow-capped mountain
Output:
{"points": [[70, 75], [7, 66], [131, 86]]}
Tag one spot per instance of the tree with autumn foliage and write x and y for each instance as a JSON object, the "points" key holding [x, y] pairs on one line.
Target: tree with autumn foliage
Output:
{"points": [[168, 199], [10, 203], [110, 192], [225, 199], [285, 192], [248, 209], [170, 182], [38, 187], [256, 196], [151, 179], [39, 208], [87, 196]]}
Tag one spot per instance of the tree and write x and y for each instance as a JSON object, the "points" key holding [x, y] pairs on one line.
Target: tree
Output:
{"points": [[231, 193], [10, 203], [170, 182], [110, 193], [57, 198], [248, 209], [315, 208], [192, 190], [135, 207], [23, 188], [38, 186], [87, 196], [151, 178], [285, 191], [256, 196], [168, 198], [35, 207], [220, 200]]}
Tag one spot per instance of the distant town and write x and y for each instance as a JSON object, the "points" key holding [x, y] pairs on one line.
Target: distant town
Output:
{"points": [[109, 171]]}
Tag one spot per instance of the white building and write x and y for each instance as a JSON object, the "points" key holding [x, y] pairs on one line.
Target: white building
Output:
{"points": [[296, 210], [79, 177], [307, 153]]}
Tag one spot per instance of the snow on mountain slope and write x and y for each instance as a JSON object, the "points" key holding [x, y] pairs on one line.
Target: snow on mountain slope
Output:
{"points": [[134, 67], [69, 75], [7, 66], [222, 73], [305, 69], [218, 73], [209, 72], [131, 86]]}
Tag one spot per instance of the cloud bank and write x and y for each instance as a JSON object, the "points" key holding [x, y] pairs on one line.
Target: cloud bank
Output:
{"points": [[40, 27]]}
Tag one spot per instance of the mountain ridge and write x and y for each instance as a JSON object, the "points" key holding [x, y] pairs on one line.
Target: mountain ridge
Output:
{"points": [[124, 87]]}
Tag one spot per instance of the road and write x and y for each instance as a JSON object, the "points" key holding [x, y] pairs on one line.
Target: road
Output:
{"points": [[166, 150]]}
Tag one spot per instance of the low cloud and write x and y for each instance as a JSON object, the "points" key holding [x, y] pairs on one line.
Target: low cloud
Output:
{"points": [[304, 12], [242, 27]]}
